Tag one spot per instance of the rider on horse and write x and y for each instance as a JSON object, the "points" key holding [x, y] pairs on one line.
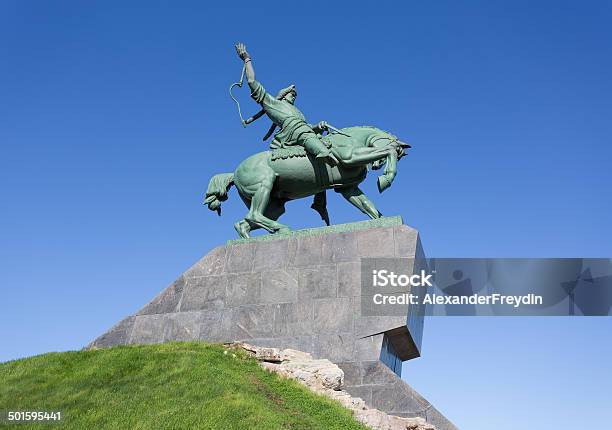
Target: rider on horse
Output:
{"points": [[294, 130]]}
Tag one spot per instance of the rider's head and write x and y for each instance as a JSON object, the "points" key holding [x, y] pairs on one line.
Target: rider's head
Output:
{"points": [[289, 94]]}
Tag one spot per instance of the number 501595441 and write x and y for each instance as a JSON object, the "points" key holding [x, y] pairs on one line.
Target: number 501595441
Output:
{"points": [[33, 416]]}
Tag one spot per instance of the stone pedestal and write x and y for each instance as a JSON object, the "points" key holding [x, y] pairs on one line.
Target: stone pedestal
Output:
{"points": [[301, 291]]}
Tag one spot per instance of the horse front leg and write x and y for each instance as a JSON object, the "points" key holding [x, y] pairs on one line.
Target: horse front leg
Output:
{"points": [[358, 199], [363, 156]]}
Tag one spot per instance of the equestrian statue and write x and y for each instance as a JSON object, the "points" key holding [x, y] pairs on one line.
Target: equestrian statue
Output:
{"points": [[302, 161]]}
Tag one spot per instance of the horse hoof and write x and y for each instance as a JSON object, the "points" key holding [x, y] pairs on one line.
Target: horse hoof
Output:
{"points": [[242, 231]]}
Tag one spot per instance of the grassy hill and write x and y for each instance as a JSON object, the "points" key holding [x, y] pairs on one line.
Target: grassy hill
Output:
{"points": [[169, 386]]}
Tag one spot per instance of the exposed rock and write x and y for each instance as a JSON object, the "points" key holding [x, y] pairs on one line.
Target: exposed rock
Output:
{"points": [[316, 374], [324, 377], [270, 355]]}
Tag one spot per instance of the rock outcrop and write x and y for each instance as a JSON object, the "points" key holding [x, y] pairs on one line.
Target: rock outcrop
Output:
{"points": [[325, 378]]}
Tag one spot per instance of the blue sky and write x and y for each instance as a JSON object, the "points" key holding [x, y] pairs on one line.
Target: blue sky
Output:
{"points": [[114, 115]]}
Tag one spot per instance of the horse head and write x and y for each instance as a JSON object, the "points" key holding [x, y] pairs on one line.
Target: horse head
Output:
{"points": [[381, 139]]}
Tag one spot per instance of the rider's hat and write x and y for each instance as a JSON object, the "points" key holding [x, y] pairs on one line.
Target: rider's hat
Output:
{"points": [[285, 91]]}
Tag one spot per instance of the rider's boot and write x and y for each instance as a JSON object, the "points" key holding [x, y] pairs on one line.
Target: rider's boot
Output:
{"points": [[331, 158], [316, 148]]}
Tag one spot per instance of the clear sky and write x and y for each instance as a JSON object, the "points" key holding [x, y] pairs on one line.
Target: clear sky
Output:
{"points": [[114, 115]]}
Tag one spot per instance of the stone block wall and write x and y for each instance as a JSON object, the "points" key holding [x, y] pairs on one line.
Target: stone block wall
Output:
{"points": [[299, 291]]}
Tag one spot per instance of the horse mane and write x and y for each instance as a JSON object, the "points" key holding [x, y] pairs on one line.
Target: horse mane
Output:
{"points": [[367, 127], [371, 127]]}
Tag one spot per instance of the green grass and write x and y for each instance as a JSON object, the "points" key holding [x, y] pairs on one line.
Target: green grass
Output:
{"points": [[170, 386]]}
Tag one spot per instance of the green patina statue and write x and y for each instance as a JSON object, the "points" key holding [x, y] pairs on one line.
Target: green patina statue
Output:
{"points": [[302, 162]]}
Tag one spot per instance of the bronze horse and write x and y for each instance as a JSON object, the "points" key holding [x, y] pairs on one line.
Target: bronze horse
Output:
{"points": [[267, 180]]}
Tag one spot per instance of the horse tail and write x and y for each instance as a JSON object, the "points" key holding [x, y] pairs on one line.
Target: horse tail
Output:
{"points": [[217, 190]]}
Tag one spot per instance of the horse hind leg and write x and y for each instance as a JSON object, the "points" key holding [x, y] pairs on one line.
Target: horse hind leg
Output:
{"points": [[243, 228], [274, 210], [259, 205], [276, 207]]}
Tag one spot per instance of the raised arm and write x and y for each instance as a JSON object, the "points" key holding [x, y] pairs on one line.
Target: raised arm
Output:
{"points": [[258, 92], [248, 64]]}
